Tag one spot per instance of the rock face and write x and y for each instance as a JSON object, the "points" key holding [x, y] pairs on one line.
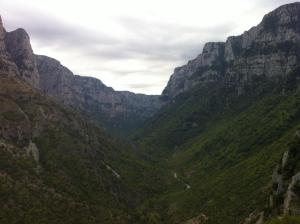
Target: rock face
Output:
{"points": [[118, 110], [15, 49], [6, 65], [271, 50], [18, 46], [41, 140], [285, 194], [2, 36], [51, 151]]}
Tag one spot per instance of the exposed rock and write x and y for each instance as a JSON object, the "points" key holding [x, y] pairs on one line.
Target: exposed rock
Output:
{"points": [[59, 152], [260, 219], [285, 197], [2, 36], [19, 48], [254, 217], [33, 151], [17, 57], [115, 173], [116, 109], [15, 125], [187, 186], [200, 219], [208, 62], [284, 158], [278, 181], [270, 50], [291, 196]]}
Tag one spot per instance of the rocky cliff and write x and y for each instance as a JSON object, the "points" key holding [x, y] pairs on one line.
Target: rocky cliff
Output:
{"points": [[18, 47], [118, 110], [269, 50], [17, 55], [52, 158], [234, 109]]}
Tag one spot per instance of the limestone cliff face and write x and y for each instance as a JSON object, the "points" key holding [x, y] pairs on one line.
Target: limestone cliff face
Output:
{"points": [[117, 109], [270, 50], [17, 55], [2, 36], [6, 65], [19, 48]]}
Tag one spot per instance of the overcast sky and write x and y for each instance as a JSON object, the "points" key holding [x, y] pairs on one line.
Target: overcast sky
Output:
{"points": [[130, 44]]}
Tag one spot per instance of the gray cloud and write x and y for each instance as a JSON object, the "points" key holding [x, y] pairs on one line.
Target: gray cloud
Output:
{"points": [[158, 40], [144, 85], [273, 4], [149, 40], [154, 43], [49, 30]]}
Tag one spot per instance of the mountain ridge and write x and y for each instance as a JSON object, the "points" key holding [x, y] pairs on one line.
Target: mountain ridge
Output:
{"points": [[227, 123], [219, 60], [118, 111]]}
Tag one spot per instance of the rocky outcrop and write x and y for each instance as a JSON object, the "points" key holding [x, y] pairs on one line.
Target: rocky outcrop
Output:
{"points": [[2, 36], [118, 110], [285, 195], [292, 197], [254, 218], [6, 65], [271, 50], [18, 46], [285, 192], [200, 219], [17, 55], [33, 151], [209, 63], [40, 140]]}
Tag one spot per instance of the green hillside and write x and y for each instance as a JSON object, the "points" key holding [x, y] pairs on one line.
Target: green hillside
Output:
{"points": [[223, 148], [56, 167]]}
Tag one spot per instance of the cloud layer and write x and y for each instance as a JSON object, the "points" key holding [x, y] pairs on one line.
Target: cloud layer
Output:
{"points": [[131, 46]]}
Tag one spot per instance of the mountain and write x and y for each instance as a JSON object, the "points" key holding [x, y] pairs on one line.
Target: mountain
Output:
{"points": [[119, 111], [56, 166], [269, 50], [15, 46], [229, 117]]}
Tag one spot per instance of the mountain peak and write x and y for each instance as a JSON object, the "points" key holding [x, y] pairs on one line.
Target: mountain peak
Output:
{"points": [[284, 15], [17, 45], [1, 23], [2, 30], [2, 35], [286, 8], [277, 36]]}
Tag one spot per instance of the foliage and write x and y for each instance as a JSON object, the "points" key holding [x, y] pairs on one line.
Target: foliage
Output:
{"points": [[224, 146], [285, 220]]}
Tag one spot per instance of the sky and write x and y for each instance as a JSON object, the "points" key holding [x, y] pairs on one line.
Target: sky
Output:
{"points": [[130, 44]]}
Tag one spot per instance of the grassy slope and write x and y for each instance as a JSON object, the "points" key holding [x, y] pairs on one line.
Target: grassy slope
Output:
{"points": [[70, 183], [285, 220], [228, 157]]}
